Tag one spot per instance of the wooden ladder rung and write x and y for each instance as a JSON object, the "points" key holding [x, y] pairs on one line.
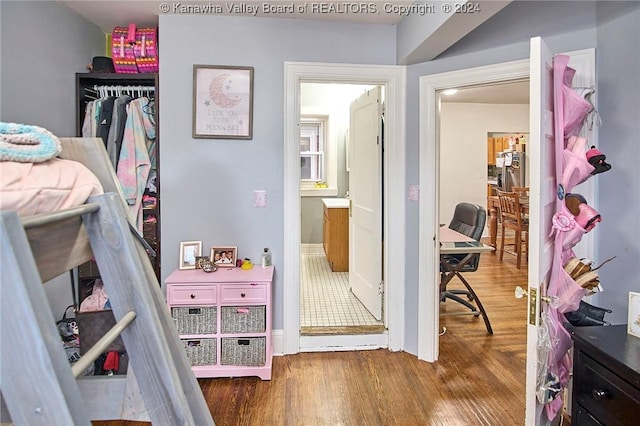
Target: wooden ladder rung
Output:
{"points": [[101, 345], [48, 218]]}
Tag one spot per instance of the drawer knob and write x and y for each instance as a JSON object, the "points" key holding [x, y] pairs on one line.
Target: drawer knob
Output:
{"points": [[193, 296], [242, 294], [598, 394]]}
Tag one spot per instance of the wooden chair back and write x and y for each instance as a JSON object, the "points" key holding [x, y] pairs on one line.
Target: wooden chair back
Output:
{"points": [[522, 191], [510, 209]]}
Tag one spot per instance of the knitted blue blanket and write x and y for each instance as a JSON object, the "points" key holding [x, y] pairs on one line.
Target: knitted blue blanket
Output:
{"points": [[27, 144]]}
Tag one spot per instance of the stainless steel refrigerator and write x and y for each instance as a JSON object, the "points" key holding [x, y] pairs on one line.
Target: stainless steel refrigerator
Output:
{"points": [[511, 170]]}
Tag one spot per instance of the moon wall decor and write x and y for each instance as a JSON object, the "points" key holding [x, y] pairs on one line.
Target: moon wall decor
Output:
{"points": [[222, 102], [219, 85]]}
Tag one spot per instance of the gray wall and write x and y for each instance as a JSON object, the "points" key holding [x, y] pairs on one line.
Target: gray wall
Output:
{"points": [[229, 170], [42, 46], [618, 71]]}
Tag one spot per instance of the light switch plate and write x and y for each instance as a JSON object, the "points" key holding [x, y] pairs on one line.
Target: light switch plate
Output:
{"points": [[414, 192], [260, 198]]}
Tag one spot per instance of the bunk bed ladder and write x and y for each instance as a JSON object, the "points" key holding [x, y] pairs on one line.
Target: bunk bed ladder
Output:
{"points": [[37, 382]]}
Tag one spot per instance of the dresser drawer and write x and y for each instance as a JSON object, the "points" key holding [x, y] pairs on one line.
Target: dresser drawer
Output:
{"points": [[605, 395], [243, 293], [583, 418], [191, 295]]}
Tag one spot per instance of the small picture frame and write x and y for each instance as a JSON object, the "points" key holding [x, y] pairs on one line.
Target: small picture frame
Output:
{"points": [[189, 251], [199, 260], [224, 256], [222, 102]]}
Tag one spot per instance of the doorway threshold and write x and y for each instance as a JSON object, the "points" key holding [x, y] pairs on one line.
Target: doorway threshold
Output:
{"points": [[344, 342], [342, 330]]}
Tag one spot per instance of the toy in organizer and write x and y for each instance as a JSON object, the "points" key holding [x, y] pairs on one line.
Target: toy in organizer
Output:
{"points": [[135, 50], [571, 278]]}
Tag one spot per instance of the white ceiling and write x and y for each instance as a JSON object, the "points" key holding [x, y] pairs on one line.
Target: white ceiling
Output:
{"points": [[503, 93]]}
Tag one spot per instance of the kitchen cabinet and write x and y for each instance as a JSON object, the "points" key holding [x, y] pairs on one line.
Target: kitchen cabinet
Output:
{"points": [[491, 151], [224, 319], [335, 233], [606, 376]]}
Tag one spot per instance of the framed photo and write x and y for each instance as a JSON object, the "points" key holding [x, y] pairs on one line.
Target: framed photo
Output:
{"points": [[199, 260], [224, 257], [189, 251], [222, 102]]}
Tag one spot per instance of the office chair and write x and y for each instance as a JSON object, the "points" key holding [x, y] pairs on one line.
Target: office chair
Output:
{"points": [[468, 219]]}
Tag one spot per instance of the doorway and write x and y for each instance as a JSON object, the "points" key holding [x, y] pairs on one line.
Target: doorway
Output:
{"points": [[328, 302], [542, 183], [392, 79]]}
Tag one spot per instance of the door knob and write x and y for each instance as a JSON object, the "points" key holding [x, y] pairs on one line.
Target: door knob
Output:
{"points": [[551, 300]]}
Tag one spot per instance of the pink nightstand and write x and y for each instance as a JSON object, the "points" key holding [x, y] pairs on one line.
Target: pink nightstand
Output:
{"points": [[224, 320]]}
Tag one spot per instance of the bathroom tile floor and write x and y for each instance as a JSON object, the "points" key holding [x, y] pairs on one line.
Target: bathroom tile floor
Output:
{"points": [[326, 299]]}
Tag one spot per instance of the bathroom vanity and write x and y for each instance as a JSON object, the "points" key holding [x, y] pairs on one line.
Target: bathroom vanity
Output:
{"points": [[335, 233]]}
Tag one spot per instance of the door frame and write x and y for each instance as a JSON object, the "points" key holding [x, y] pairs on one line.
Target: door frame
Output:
{"points": [[394, 79], [428, 273]]}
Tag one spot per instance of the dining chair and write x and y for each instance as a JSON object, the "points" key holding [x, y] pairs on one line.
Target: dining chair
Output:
{"points": [[511, 217], [468, 219], [522, 191]]}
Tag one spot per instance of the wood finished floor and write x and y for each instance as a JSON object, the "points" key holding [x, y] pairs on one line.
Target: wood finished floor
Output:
{"points": [[478, 379]]}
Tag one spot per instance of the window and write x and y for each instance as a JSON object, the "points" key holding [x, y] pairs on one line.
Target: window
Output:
{"points": [[317, 157], [312, 152]]}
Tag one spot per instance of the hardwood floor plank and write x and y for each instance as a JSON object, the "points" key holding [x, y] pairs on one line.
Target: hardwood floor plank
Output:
{"points": [[478, 380]]}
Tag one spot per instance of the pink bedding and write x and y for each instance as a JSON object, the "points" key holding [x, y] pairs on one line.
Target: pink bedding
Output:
{"points": [[56, 184]]}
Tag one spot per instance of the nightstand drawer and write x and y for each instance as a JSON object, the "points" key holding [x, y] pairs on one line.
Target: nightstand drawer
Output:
{"points": [[195, 319], [238, 319], [191, 295], [243, 294], [605, 395]]}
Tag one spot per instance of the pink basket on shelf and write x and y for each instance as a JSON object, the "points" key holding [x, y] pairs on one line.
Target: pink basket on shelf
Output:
{"points": [[146, 50], [122, 49]]}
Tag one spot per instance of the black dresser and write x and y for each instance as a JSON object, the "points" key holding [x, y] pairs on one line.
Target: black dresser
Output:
{"points": [[606, 376]]}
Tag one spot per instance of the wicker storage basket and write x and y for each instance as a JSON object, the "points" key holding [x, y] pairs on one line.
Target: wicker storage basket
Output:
{"points": [[237, 319], [195, 319], [200, 351], [244, 351]]}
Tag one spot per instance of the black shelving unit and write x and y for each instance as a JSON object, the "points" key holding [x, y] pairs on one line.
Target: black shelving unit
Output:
{"points": [[84, 81]]}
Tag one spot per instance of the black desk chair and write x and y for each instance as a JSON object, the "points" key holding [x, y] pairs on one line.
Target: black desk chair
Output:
{"points": [[468, 219]]}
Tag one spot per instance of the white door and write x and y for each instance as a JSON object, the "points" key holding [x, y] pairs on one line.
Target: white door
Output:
{"points": [[543, 202], [365, 191], [543, 192]]}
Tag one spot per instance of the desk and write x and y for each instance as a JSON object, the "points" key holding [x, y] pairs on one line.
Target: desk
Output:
{"points": [[453, 242], [493, 205]]}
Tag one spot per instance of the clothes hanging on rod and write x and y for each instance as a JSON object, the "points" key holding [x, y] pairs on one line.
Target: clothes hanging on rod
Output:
{"points": [[123, 116], [136, 156]]}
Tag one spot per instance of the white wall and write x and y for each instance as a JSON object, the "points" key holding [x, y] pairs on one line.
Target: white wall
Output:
{"points": [[463, 149]]}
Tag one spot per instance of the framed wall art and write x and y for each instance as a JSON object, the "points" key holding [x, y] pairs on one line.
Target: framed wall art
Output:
{"points": [[222, 102], [189, 251], [224, 256]]}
